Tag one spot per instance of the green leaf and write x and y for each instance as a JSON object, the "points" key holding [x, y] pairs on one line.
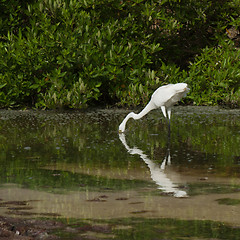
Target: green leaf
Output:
{"points": [[3, 85], [34, 86]]}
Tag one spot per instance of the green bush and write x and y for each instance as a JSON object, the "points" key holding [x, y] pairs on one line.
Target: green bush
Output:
{"points": [[70, 53], [214, 76], [65, 49]]}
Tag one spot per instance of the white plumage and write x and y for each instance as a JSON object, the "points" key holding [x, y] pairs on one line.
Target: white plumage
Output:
{"points": [[164, 97]]}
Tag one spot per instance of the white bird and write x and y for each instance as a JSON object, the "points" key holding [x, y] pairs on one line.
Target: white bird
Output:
{"points": [[165, 97]]}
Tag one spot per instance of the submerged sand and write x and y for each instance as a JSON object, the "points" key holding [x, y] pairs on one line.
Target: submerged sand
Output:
{"points": [[19, 202]]}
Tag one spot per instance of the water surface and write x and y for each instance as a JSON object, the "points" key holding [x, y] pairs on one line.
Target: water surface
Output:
{"points": [[75, 165]]}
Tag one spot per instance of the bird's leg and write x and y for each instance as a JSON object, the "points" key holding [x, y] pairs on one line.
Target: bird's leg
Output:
{"points": [[169, 113], [169, 123], [164, 111], [169, 131]]}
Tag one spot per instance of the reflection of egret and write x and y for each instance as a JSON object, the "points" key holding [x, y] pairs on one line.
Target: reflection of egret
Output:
{"points": [[164, 97], [157, 173]]}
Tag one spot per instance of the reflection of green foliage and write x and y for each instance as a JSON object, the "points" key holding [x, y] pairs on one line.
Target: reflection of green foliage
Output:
{"points": [[32, 140], [36, 140], [59, 181], [213, 132], [228, 201], [177, 229], [147, 229], [209, 188], [200, 136]]}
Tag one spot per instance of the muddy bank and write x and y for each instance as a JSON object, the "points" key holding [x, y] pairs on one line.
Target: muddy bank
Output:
{"points": [[27, 229], [122, 229], [36, 229]]}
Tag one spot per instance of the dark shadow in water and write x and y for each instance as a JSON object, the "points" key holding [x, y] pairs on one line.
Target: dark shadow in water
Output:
{"points": [[158, 174]]}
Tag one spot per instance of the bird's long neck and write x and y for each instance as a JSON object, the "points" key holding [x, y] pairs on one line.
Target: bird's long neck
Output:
{"points": [[150, 106], [122, 126]]}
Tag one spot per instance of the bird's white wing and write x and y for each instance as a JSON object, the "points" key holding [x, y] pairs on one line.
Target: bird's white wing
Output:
{"points": [[162, 95], [169, 94]]}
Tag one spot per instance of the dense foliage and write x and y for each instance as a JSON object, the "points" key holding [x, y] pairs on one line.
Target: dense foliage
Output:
{"points": [[71, 53]]}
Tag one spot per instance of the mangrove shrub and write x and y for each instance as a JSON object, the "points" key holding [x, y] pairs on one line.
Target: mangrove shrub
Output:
{"points": [[70, 53]]}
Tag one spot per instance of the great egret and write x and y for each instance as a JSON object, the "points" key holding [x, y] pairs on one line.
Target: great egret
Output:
{"points": [[165, 97]]}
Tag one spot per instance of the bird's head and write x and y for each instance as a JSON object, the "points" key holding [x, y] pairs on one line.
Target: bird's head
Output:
{"points": [[121, 128], [181, 87]]}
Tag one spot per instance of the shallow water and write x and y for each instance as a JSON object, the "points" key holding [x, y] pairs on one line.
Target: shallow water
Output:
{"points": [[75, 165]]}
